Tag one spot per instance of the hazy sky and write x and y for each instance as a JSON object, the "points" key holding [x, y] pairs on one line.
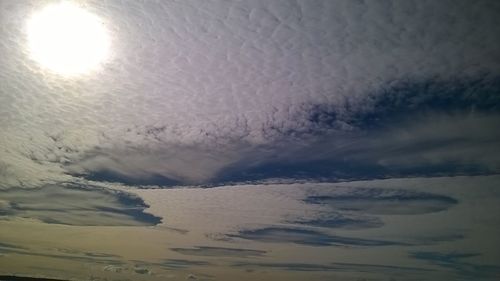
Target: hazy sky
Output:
{"points": [[208, 93]]}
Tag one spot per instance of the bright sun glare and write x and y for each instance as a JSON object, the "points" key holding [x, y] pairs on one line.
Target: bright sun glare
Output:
{"points": [[67, 39]]}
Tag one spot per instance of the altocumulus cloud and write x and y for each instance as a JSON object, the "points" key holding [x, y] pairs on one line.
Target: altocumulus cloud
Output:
{"points": [[208, 92]]}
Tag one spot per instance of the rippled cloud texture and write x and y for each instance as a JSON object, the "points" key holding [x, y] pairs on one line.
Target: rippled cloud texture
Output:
{"points": [[210, 92]]}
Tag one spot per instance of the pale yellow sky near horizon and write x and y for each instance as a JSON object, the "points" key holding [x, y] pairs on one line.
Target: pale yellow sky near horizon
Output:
{"points": [[195, 217]]}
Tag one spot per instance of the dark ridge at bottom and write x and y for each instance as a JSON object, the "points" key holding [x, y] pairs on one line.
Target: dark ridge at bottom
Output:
{"points": [[24, 278]]}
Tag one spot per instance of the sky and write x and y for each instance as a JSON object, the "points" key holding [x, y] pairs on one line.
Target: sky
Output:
{"points": [[283, 98]]}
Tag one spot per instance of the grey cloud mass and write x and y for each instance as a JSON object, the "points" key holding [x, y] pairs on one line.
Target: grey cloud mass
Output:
{"points": [[75, 205], [383, 201], [308, 237], [459, 264], [215, 91], [219, 252]]}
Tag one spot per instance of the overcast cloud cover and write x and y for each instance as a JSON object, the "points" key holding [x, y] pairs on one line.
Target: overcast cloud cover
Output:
{"points": [[201, 92], [341, 139]]}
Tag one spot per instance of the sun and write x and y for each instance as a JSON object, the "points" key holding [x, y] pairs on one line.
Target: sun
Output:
{"points": [[67, 39]]}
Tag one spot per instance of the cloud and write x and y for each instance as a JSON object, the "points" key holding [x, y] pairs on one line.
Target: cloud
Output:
{"points": [[408, 128], [307, 237], [431, 144], [6, 248], [113, 268], [195, 91], [75, 256], [384, 201], [142, 270], [337, 267], [339, 220], [219, 252], [76, 205], [179, 263], [459, 262], [173, 264], [173, 165]]}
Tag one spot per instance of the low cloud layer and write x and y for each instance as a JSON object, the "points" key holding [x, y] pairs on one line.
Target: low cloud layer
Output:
{"points": [[336, 267], [404, 229], [308, 237], [383, 201], [460, 264], [219, 252], [75, 205]]}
